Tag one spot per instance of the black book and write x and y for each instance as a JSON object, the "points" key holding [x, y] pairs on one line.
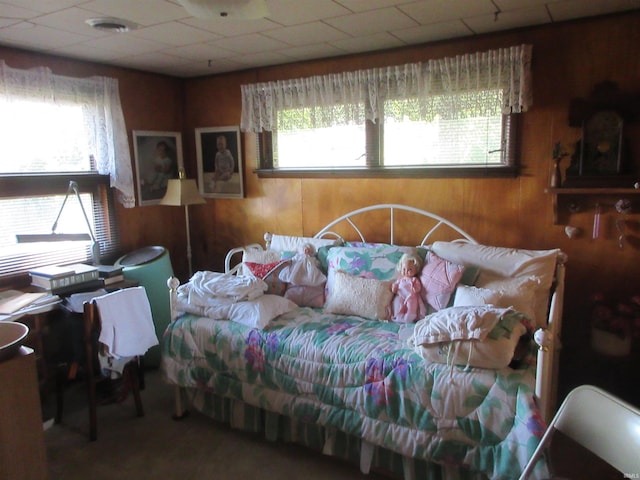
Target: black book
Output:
{"points": [[106, 271], [87, 286]]}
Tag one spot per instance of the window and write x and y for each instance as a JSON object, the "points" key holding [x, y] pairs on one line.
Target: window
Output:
{"points": [[449, 117], [50, 136]]}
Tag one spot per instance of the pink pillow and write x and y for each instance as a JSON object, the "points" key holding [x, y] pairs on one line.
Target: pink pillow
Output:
{"points": [[305, 295], [439, 278]]}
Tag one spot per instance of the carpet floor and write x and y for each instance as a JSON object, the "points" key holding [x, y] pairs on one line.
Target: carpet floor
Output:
{"points": [[156, 446], [197, 448]]}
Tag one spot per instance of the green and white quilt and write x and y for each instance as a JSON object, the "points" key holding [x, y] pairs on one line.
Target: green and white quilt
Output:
{"points": [[360, 377]]}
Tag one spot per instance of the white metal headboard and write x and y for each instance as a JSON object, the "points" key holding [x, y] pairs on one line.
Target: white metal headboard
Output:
{"points": [[392, 207]]}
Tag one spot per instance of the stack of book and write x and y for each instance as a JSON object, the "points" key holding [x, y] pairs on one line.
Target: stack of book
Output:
{"points": [[67, 279], [110, 274]]}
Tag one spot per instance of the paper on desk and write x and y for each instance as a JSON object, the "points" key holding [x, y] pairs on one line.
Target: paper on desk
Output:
{"points": [[13, 300]]}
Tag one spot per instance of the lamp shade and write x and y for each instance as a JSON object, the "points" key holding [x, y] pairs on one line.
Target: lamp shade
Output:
{"points": [[182, 191]]}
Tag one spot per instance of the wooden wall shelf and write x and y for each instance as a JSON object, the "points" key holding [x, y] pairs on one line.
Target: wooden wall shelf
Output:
{"points": [[567, 200]]}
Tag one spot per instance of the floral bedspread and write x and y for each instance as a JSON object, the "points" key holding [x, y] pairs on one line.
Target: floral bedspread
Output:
{"points": [[362, 378]]}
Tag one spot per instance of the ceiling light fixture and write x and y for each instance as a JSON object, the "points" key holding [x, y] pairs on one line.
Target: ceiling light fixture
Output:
{"points": [[233, 9], [112, 24]]}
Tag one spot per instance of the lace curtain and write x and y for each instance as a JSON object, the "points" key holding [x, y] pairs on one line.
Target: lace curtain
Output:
{"points": [[473, 84], [103, 116]]}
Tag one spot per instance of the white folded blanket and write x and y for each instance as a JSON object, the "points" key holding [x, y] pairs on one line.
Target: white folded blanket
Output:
{"points": [[214, 289]]}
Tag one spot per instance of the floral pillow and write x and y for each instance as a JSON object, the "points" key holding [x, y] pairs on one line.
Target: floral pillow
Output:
{"points": [[269, 272], [369, 262], [439, 278]]}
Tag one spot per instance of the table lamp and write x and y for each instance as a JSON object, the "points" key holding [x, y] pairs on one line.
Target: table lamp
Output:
{"points": [[183, 191]]}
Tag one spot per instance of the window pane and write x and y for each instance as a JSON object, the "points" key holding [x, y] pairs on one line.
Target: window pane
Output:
{"points": [[36, 215], [464, 142], [298, 145], [342, 146], [461, 132], [40, 138], [458, 130]]}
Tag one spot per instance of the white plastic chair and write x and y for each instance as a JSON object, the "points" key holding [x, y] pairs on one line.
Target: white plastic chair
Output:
{"points": [[601, 423]]}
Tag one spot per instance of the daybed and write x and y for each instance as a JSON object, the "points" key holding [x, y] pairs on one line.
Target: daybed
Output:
{"points": [[461, 393]]}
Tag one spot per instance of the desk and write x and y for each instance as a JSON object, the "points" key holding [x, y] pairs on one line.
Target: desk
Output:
{"points": [[37, 320], [40, 321], [22, 447]]}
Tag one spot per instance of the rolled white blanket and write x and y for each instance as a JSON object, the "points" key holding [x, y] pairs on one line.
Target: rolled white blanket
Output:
{"points": [[213, 288]]}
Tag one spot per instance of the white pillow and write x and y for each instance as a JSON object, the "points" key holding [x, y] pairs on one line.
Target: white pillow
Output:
{"points": [[508, 262], [503, 261], [258, 313], [491, 354], [519, 292], [457, 323], [467, 296], [290, 243], [364, 297]]}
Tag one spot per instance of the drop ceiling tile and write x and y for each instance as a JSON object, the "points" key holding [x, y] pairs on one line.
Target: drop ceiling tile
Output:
{"points": [[217, 66], [505, 5], [173, 33], [85, 52], [364, 5], [371, 22], [509, 19], [143, 12], [229, 27], [42, 6], [200, 51], [295, 29], [247, 44], [152, 59], [261, 59], [379, 41], [124, 43], [432, 11], [308, 52], [39, 37], [433, 32], [71, 20], [293, 12], [315, 32], [198, 69], [572, 9], [10, 14]]}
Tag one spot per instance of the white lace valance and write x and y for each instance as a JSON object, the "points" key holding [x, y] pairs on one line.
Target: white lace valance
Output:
{"points": [[103, 117], [469, 84]]}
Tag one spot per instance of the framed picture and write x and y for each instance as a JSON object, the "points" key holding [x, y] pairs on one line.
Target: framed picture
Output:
{"points": [[219, 162], [158, 157]]}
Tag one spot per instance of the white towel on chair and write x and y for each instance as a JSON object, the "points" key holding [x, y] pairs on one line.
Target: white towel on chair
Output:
{"points": [[127, 324]]}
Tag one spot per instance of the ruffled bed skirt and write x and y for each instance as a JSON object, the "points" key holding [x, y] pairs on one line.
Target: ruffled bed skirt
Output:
{"points": [[276, 427]]}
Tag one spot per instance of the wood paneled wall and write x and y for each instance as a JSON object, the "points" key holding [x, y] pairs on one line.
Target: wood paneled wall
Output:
{"points": [[568, 60]]}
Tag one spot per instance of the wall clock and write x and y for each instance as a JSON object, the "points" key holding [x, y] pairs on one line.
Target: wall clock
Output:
{"points": [[601, 149], [601, 157]]}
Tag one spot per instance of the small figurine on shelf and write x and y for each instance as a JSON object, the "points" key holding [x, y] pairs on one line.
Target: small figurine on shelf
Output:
{"points": [[408, 305], [558, 154]]}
